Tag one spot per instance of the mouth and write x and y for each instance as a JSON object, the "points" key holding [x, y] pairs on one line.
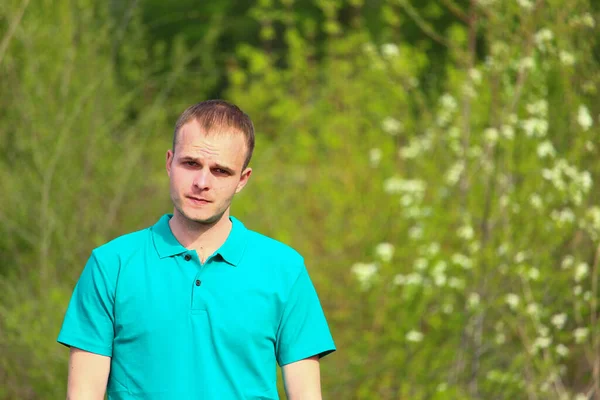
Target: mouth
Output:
{"points": [[198, 200]]}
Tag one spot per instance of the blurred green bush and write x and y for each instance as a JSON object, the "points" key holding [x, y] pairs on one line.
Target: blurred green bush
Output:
{"points": [[446, 206]]}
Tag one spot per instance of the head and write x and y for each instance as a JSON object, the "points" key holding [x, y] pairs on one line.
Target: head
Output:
{"points": [[208, 164]]}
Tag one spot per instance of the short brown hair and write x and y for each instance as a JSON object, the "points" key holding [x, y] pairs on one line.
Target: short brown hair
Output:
{"points": [[211, 114]]}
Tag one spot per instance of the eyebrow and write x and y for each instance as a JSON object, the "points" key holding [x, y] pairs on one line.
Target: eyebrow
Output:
{"points": [[217, 165]]}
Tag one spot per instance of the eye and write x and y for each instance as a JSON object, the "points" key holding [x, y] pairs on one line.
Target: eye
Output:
{"points": [[221, 171], [190, 163]]}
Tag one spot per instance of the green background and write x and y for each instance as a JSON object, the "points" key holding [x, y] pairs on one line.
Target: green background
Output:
{"points": [[436, 162]]}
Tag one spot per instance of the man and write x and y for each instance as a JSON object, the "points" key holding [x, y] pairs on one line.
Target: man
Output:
{"points": [[197, 306]]}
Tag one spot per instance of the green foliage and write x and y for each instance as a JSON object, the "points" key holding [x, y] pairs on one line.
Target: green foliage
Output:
{"points": [[435, 163], [78, 123], [479, 204]]}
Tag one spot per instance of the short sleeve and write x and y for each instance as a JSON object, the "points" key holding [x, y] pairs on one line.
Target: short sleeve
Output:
{"points": [[303, 331], [88, 323]]}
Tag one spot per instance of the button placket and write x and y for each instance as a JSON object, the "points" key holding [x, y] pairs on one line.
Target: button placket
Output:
{"points": [[197, 291]]}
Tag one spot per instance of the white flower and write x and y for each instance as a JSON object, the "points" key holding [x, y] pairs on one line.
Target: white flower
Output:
{"points": [[466, 232], [543, 37], [473, 300], [454, 173], [393, 185], [411, 151], [364, 273], [533, 309], [563, 216], [468, 90], [491, 135], [546, 149], [538, 108], [567, 262], [433, 249], [421, 264], [536, 201], [544, 34], [500, 338], [440, 267], [448, 102], [385, 251], [589, 146], [535, 127], [533, 274], [526, 63], [456, 283], [439, 273], [520, 257], [439, 279], [566, 58], [462, 260], [581, 271], [391, 125], [512, 300], [584, 118], [586, 180], [375, 157], [414, 279], [580, 334], [415, 232], [588, 20], [475, 75], [558, 320], [581, 396], [390, 50], [414, 336], [562, 350], [508, 132], [542, 342], [527, 5]]}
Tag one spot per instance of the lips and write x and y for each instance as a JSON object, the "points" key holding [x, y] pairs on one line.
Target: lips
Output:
{"points": [[198, 200]]}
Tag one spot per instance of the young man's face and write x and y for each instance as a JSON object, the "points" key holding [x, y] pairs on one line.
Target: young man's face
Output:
{"points": [[205, 172]]}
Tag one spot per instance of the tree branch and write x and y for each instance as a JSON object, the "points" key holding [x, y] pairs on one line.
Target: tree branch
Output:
{"points": [[12, 28]]}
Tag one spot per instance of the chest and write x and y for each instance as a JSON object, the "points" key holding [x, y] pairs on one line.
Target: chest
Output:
{"points": [[164, 300]]}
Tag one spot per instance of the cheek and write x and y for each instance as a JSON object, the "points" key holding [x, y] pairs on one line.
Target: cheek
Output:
{"points": [[178, 178], [225, 187]]}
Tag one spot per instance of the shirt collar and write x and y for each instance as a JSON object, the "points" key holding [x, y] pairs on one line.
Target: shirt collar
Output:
{"points": [[167, 245], [235, 245], [165, 242]]}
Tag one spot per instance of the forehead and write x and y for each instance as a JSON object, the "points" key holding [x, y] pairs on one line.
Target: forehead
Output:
{"points": [[224, 143]]}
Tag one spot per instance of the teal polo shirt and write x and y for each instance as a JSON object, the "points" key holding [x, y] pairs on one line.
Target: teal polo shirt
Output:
{"points": [[178, 329]]}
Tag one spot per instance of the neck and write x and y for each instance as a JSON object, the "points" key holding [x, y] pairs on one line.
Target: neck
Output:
{"points": [[204, 238]]}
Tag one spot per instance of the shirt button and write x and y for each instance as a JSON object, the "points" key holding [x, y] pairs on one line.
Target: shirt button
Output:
{"points": [[187, 257], [198, 282]]}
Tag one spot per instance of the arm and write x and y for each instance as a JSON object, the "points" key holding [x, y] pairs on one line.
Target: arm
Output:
{"points": [[302, 379], [88, 375]]}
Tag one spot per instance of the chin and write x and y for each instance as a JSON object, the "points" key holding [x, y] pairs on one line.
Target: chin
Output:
{"points": [[202, 218]]}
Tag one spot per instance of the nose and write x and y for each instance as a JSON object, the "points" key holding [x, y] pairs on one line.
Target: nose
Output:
{"points": [[202, 179]]}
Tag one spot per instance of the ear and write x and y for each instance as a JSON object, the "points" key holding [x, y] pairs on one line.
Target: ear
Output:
{"points": [[169, 161], [243, 179]]}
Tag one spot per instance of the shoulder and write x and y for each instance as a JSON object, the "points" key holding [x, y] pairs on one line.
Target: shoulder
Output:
{"points": [[275, 248], [122, 247], [273, 254]]}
